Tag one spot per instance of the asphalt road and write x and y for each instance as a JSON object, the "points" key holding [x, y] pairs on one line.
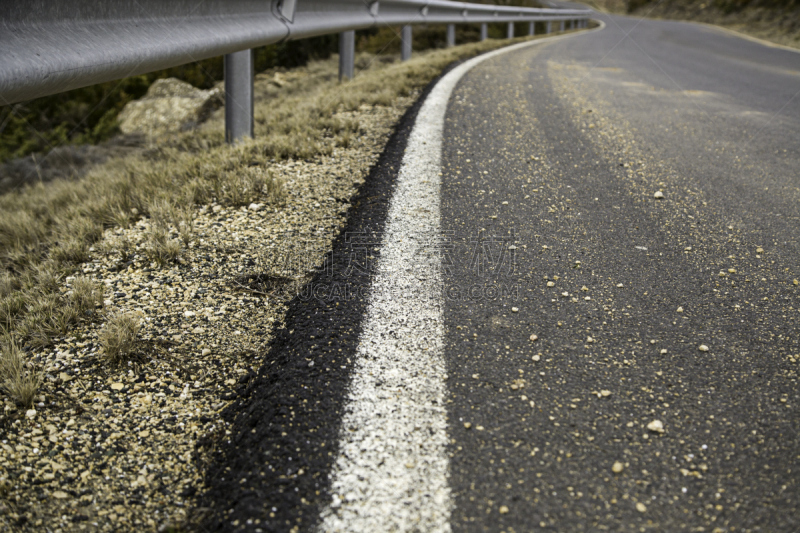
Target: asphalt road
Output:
{"points": [[559, 151], [586, 322]]}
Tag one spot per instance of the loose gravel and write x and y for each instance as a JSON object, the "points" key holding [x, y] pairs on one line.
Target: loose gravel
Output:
{"points": [[108, 448]]}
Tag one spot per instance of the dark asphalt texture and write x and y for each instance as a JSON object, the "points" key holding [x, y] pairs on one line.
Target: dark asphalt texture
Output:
{"points": [[551, 159], [558, 150]]}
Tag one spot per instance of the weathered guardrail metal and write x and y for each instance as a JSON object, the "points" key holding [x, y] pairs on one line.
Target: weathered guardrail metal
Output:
{"points": [[50, 47]]}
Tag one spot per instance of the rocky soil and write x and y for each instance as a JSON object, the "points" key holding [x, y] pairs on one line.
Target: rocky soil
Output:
{"points": [[122, 447]]}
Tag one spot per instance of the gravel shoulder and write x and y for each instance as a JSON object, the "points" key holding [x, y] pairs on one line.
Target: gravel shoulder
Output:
{"points": [[105, 447]]}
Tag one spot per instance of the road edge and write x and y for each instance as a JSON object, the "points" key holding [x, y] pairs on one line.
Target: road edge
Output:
{"points": [[392, 471]]}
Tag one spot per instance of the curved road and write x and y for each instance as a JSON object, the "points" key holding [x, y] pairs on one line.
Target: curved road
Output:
{"points": [[616, 337], [623, 289]]}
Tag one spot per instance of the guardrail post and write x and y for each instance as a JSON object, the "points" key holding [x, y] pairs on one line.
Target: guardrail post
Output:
{"points": [[451, 35], [347, 55], [510, 31], [238, 71], [484, 31], [531, 28], [548, 28], [405, 43], [562, 25]]}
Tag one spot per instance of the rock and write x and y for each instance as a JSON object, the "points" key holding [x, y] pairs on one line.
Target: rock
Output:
{"points": [[169, 106], [550, 284], [759, 250], [278, 80], [619, 285], [205, 352], [679, 310], [30, 413], [534, 338], [467, 425], [60, 494], [703, 348], [536, 357], [658, 195], [254, 207], [515, 310], [642, 508], [617, 467], [656, 426], [503, 509], [117, 386], [605, 393]]}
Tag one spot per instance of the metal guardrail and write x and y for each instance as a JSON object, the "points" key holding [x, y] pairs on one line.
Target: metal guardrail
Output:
{"points": [[54, 46]]}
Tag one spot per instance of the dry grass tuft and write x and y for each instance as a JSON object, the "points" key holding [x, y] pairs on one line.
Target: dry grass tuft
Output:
{"points": [[160, 247], [86, 295], [18, 379], [119, 337]]}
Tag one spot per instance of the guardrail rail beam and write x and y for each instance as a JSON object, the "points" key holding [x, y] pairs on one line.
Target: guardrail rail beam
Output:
{"points": [[51, 47]]}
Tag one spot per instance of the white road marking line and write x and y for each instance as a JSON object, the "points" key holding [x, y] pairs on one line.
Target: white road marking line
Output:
{"points": [[392, 469]]}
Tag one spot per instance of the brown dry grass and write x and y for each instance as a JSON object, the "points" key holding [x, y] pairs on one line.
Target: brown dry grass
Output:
{"points": [[17, 378], [119, 337]]}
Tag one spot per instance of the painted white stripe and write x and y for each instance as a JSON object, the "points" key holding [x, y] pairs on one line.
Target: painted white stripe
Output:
{"points": [[392, 469]]}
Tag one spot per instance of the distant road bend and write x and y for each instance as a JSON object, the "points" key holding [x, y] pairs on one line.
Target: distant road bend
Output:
{"points": [[583, 313]]}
